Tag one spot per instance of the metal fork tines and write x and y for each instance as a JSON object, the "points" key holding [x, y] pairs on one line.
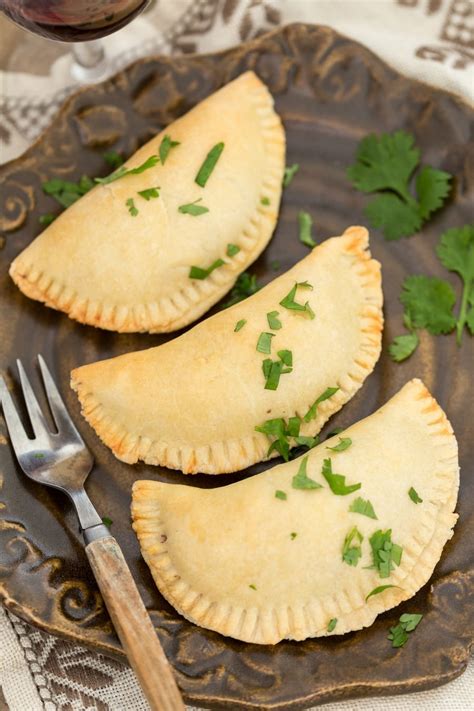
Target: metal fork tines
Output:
{"points": [[58, 459]]}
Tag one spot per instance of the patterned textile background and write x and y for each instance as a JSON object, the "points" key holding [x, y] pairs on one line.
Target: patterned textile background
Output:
{"points": [[429, 39]]}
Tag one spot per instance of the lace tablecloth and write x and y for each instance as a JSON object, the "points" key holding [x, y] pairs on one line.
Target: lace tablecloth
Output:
{"points": [[432, 40]]}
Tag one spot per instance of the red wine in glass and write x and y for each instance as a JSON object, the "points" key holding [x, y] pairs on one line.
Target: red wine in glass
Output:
{"points": [[72, 20]]}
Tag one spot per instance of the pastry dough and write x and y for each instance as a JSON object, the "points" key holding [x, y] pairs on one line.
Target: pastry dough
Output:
{"points": [[226, 558], [106, 268], [193, 403]]}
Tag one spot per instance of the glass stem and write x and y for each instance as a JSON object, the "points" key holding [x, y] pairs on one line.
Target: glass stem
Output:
{"points": [[89, 61]]}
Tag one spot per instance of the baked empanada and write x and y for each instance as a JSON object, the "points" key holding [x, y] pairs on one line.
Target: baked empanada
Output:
{"points": [[120, 258], [299, 348], [307, 545]]}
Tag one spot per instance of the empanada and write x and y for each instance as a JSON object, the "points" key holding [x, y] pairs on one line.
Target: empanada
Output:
{"points": [[120, 258], [314, 334], [262, 561]]}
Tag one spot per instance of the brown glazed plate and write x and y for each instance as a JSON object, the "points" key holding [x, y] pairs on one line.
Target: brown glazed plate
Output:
{"points": [[330, 92]]}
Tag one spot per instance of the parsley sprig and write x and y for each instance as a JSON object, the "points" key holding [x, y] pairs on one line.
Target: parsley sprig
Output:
{"points": [[386, 163]]}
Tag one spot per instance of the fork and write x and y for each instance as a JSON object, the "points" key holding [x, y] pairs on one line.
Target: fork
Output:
{"points": [[62, 460]]}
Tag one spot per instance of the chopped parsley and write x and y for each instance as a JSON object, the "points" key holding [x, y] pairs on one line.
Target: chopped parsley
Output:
{"points": [[165, 146], [379, 589], [398, 634], [293, 427], [305, 222], [46, 219], [351, 549], [343, 444], [305, 441], [273, 320], [279, 494], [332, 624], [232, 250], [192, 208], [240, 324], [245, 286], [413, 494], [150, 193], [200, 273], [66, 192], [311, 414], [107, 521], [385, 553], [114, 159], [386, 163], [130, 203], [254, 587], [282, 431], [264, 343], [123, 171], [286, 357], [265, 201], [289, 174], [288, 302], [272, 370], [301, 479], [293, 535], [363, 506], [209, 164], [337, 482]]}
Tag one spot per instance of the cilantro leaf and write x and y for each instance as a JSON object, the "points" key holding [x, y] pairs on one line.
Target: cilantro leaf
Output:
{"points": [[432, 187], [264, 343], [403, 346], [288, 302], [149, 193], [279, 494], [343, 444], [240, 324], [232, 250], [379, 589], [456, 252], [385, 162], [311, 414], [301, 479], [363, 506], [413, 494], [123, 171], [245, 286], [165, 146], [66, 192], [272, 374], [201, 273], [410, 620], [192, 208], [332, 624], [289, 174], [398, 634], [352, 553], [305, 222], [273, 320], [429, 302], [209, 164], [393, 216], [286, 357], [385, 553], [130, 203], [337, 482], [305, 441]]}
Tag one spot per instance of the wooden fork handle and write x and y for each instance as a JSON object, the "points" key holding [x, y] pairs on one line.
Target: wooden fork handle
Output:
{"points": [[133, 625]]}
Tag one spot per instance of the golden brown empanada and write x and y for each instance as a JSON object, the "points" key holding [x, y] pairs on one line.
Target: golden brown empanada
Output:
{"points": [[193, 403], [120, 257], [262, 561]]}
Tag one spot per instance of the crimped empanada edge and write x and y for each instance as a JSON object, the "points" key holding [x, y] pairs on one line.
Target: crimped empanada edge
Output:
{"points": [[194, 298], [350, 607], [234, 455]]}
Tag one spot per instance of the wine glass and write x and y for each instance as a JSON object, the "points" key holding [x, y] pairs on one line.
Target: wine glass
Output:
{"points": [[81, 22]]}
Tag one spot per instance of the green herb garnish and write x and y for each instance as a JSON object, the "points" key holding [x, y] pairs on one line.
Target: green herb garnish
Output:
{"points": [[38, 455], [301, 479], [385, 553], [66, 192], [150, 193], [240, 324], [413, 494], [332, 624], [343, 444], [403, 346], [265, 201], [107, 521], [364, 507], [305, 441], [232, 250], [272, 369], [254, 587], [386, 163], [130, 203], [209, 164], [123, 171], [192, 208], [288, 302], [351, 549], [305, 222], [379, 589], [245, 286], [311, 414], [46, 219], [284, 431], [456, 252], [165, 146], [200, 273], [286, 357], [273, 320], [264, 343], [399, 634], [114, 159], [279, 494], [337, 482], [289, 174], [293, 535]]}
